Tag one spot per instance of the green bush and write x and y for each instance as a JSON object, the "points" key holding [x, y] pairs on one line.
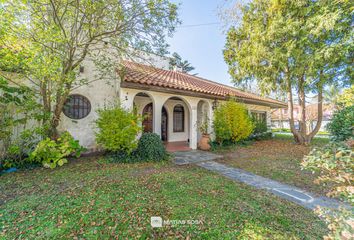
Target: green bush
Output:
{"points": [[231, 122], [151, 148], [260, 126], [118, 129], [342, 125], [52, 153], [18, 107], [261, 136], [121, 157]]}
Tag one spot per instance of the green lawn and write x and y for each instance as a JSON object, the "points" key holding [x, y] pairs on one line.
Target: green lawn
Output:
{"points": [[90, 199], [278, 159]]}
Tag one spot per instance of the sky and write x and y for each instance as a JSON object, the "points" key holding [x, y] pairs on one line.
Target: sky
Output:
{"points": [[201, 45]]}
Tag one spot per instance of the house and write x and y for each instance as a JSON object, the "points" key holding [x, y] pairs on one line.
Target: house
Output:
{"points": [[173, 101], [280, 119]]}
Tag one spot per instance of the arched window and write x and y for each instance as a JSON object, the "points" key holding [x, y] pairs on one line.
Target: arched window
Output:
{"points": [[178, 118], [77, 107]]}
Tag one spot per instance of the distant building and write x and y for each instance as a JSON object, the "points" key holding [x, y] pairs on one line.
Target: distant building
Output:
{"points": [[280, 117]]}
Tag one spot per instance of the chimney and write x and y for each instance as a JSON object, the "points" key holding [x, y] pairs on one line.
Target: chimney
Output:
{"points": [[177, 69]]}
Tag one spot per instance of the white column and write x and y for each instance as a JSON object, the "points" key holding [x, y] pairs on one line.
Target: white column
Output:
{"points": [[157, 116], [193, 127]]}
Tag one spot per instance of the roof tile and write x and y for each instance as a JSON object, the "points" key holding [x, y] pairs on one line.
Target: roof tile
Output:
{"points": [[149, 75]]}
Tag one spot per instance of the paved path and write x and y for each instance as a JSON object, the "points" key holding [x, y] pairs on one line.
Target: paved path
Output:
{"points": [[291, 193]]}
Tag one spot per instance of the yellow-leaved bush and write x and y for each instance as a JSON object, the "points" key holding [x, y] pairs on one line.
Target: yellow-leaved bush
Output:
{"points": [[118, 129], [231, 122]]}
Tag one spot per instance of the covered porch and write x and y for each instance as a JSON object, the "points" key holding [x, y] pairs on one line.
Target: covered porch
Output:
{"points": [[174, 118]]}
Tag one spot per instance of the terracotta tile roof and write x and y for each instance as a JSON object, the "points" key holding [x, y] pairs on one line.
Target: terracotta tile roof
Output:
{"points": [[148, 75]]}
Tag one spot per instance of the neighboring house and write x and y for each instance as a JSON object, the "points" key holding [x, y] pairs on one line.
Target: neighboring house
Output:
{"points": [[280, 117], [173, 101]]}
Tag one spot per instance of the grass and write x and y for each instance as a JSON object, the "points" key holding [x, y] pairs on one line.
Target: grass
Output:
{"points": [[278, 159], [91, 199]]}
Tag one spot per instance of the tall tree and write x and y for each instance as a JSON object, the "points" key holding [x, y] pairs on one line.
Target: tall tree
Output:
{"points": [[46, 41], [297, 46], [331, 94], [184, 65]]}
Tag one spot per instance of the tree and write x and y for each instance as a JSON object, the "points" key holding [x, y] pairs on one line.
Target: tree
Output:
{"points": [[330, 95], [297, 46], [346, 99], [184, 65], [47, 41]]}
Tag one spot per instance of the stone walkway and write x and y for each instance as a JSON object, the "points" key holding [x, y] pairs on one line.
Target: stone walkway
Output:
{"points": [[291, 193]]}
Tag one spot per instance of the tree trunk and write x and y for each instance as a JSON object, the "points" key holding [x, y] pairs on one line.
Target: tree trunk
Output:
{"points": [[54, 123], [302, 103], [291, 112], [319, 113]]}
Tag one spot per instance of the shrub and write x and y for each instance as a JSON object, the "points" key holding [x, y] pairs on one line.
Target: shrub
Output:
{"points": [[118, 129], [231, 122], [335, 164], [261, 136], [53, 153], [341, 126], [19, 110], [121, 157], [151, 148], [260, 126]]}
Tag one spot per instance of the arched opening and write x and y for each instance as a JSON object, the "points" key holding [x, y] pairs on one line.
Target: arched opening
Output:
{"points": [[177, 117], [144, 105], [148, 118], [203, 115]]}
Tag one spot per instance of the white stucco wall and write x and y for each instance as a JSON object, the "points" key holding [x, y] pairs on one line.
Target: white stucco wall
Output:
{"points": [[98, 93]]}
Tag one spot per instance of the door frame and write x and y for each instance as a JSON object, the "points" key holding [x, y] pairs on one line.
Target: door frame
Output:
{"points": [[164, 112]]}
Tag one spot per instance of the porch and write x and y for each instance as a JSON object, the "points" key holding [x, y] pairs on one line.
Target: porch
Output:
{"points": [[174, 118], [182, 146]]}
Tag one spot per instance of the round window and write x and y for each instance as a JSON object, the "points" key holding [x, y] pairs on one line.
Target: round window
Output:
{"points": [[77, 107]]}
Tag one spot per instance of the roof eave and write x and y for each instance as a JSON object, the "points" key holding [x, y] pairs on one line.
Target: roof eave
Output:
{"points": [[146, 87]]}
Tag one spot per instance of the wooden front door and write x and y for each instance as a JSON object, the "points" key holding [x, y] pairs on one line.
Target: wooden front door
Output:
{"points": [[148, 118], [164, 121]]}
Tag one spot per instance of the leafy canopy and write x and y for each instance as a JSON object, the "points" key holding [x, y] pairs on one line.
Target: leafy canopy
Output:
{"points": [[184, 65], [47, 41], [296, 47], [284, 39]]}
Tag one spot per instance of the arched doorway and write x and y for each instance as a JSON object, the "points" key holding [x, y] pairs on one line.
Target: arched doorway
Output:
{"points": [[176, 112], [148, 118], [164, 125]]}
